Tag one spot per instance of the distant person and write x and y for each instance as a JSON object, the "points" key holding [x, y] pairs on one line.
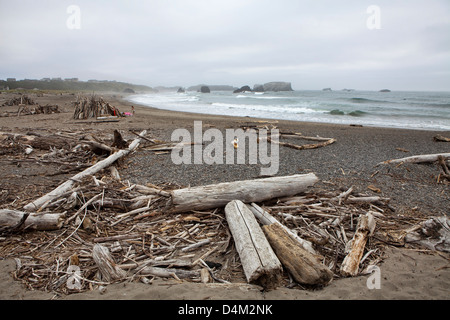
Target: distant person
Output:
{"points": [[132, 110]]}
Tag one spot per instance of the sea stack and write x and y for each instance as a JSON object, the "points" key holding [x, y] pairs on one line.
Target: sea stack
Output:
{"points": [[205, 89], [277, 86]]}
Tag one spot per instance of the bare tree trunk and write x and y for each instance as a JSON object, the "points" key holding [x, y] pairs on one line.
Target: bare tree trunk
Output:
{"points": [[218, 195], [260, 263], [266, 219], [32, 221], [418, 158], [302, 265]]}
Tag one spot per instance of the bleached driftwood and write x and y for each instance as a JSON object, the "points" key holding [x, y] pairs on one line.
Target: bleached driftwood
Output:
{"points": [[365, 228], [305, 146], [106, 265], [147, 190], [218, 195], [373, 199], [265, 218], [170, 272], [259, 262], [66, 186], [417, 159], [433, 233], [31, 221], [440, 137], [302, 265]]}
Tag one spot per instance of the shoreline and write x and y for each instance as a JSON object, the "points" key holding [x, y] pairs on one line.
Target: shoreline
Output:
{"points": [[127, 100], [406, 273]]}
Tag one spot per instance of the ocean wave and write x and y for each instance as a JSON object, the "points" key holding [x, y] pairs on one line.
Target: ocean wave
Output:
{"points": [[241, 96], [404, 110], [365, 100], [164, 99], [337, 112], [356, 113], [267, 108]]}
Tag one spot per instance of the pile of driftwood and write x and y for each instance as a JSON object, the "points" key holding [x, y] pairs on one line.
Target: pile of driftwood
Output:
{"points": [[16, 101], [321, 142], [38, 109], [28, 106], [93, 107], [95, 229]]}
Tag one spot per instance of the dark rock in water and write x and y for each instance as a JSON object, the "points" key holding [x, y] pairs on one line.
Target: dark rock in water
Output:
{"points": [[258, 88], [129, 90], [213, 87], [326, 89], [242, 89], [180, 90], [277, 86], [205, 89], [385, 90]]}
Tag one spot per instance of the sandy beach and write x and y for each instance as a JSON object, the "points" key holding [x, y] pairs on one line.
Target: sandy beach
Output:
{"points": [[406, 272]]}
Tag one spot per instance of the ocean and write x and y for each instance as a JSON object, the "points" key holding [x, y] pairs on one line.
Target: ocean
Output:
{"points": [[409, 110]]}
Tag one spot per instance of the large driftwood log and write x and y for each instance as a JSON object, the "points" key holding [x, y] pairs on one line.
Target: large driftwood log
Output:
{"points": [[266, 219], [365, 228], [259, 262], [417, 159], [66, 186], [301, 264], [218, 195], [31, 221], [106, 265]]}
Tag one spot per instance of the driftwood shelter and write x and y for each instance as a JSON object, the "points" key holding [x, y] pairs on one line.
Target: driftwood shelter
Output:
{"points": [[93, 107]]}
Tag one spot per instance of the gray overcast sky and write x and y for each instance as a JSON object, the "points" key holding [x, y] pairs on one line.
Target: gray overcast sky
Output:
{"points": [[313, 44]]}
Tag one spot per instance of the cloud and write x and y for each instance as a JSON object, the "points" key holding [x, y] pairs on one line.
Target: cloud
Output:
{"points": [[184, 42]]}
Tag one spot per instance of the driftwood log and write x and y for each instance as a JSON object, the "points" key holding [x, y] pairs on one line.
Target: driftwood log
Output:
{"points": [[305, 146], [169, 272], [66, 186], [19, 220], [302, 265], [118, 141], [218, 195], [266, 219], [417, 159], [441, 138], [433, 234], [364, 229], [259, 262]]}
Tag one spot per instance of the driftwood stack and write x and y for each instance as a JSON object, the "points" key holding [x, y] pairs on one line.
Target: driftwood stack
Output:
{"points": [[93, 107], [28, 106]]}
